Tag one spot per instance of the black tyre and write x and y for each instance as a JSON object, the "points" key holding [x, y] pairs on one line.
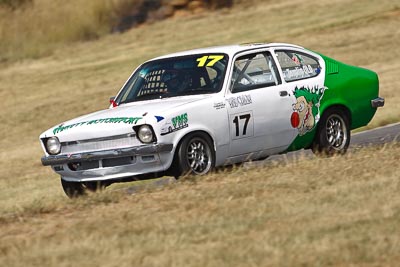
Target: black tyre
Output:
{"points": [[333, 133], [195, 155], [77, 189], [95, 186], [72, 189]]}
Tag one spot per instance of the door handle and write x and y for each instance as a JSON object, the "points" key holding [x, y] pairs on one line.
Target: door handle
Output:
{"points": [[283, 93]]}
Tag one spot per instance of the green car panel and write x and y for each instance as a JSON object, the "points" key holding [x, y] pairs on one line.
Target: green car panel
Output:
{"points": [[349, 87], [352, 87]]}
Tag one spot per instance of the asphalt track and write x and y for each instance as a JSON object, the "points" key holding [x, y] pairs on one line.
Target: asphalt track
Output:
{"points": [[378, 136]]}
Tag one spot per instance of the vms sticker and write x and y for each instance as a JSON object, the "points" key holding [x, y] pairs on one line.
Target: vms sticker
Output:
{"points": [[175, 124]]}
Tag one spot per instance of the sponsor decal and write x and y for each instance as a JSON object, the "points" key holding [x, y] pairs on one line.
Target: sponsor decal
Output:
{"points": [[298, 73], [127, 120], [159, 118], [175, 124], [297, 59], [239, 101], [208, 61], [306, 109], [219, 105]]}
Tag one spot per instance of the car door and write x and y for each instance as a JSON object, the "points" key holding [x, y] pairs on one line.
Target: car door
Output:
{"points": [[259, 107], [301, 72]]}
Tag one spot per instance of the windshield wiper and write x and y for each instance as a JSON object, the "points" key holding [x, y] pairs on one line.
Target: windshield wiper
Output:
{"points": [[152, 94], [196, 92], [149, 96]]}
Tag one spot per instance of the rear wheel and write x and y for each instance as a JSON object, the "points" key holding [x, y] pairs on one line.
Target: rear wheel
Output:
{"points": [[333, 134], [195, 155], [77, 189]]}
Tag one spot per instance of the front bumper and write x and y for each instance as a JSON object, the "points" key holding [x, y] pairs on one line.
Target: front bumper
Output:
{"points": [[378, 102], [52, 160]]}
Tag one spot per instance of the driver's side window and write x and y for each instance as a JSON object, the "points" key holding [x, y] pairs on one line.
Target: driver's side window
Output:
{"points": [[254, 71]]}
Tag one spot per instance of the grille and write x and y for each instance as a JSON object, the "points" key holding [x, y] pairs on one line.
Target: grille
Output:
{"points": [[81, 166], [98, 144], [95, 164], [118, 161]]}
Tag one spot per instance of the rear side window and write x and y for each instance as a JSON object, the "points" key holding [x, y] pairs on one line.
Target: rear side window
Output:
{"points": [[297, 66]]}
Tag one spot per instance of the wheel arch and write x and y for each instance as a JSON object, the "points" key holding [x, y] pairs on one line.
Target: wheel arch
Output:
{"points": [[316, 145], [181, 138], [342, 107], [194, 132]]}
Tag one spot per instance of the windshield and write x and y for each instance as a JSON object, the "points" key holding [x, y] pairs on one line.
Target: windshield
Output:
{"points": [[188, 75]]}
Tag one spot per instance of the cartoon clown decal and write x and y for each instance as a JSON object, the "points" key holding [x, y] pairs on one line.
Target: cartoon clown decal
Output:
{"points": [[306, 109]]}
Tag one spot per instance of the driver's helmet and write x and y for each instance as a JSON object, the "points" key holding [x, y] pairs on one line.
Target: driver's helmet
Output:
{"points": [[176, 80]]}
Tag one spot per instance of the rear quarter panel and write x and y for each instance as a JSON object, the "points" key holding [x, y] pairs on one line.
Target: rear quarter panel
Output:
{"points": [[352, 87]]}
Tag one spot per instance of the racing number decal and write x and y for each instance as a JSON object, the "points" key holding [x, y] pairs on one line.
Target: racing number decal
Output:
{"points": [[245, 117], [213, 59], [242, 125]]}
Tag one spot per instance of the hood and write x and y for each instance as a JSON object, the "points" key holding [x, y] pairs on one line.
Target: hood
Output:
{"points": [[118, 120]]}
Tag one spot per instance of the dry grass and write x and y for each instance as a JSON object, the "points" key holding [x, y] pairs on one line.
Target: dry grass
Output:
{"points": [[318, 212], [344, 213], [38, 27], [35, 28]]}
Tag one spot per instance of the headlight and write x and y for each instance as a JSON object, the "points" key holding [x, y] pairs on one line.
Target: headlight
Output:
{"points": [[53, 145], [145, 134]]}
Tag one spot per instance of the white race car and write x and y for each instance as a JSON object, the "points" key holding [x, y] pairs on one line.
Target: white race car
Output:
{"points": [[193, 111]]}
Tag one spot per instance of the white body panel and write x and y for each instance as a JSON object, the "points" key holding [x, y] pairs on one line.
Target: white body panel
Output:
{"points": [[268, 131], [221, 115]]}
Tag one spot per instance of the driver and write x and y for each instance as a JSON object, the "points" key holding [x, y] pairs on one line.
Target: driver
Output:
{"points": [[176, 81]]}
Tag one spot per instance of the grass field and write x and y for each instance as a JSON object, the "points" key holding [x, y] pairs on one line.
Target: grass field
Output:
{"points": [[35, 28], [310, 212], [319, 212]]}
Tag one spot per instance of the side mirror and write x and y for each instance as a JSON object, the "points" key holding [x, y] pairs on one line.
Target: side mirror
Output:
{"points": [[112, 102]]}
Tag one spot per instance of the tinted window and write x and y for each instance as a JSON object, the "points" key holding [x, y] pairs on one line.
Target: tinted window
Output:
{"points": [[297, 66], [254, 71]]}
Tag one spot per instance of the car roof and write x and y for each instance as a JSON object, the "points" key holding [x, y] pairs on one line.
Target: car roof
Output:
{"points": [[230, 50]]}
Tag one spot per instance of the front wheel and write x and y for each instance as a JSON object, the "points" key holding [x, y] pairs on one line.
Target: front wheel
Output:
{"points": [[195, 155], [333, 134], [77, 189]]}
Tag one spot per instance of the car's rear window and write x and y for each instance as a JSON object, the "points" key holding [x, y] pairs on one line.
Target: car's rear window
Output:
{"points": [[296, 65]]}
